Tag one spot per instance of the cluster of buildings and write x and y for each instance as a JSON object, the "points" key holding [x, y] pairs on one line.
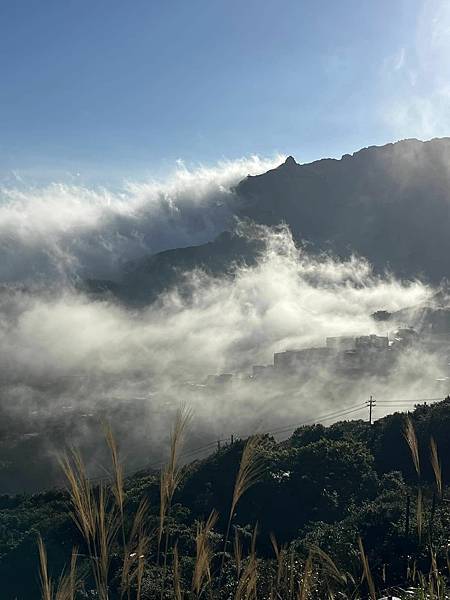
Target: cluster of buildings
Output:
{"points": [[347, 356], [344, 354]]}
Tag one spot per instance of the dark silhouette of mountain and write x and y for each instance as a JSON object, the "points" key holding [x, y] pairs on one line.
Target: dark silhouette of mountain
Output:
{"points": [[145, 279], [390, 204]]}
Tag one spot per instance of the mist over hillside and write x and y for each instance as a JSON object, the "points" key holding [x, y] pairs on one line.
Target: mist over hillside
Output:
{"points": [[388, 204], [224, 300], [119, 306]]}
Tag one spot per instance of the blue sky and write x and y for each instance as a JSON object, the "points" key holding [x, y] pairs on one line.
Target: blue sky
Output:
{"points": [[116, 89]]}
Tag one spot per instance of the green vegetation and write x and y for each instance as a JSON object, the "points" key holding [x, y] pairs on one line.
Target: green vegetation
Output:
{"points": [[346, 511]]}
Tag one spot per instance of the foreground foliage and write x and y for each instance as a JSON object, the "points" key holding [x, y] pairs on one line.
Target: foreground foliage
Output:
{"points": [[340, 512]]}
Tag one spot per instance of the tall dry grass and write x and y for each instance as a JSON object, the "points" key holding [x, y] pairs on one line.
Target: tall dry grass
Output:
{"points": [[280, 556], [436, 465], [250, 470], [202, 569], [171, 473], [96, 516], [366, 570], [410, 436], [170, 479], [135, 551], [331, 575], [304, 587], [68, 583], [411, 439], [237, 552], [246, 588], [176, 574], [99, 514]]}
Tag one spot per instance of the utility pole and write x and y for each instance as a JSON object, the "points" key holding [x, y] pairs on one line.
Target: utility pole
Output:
{"points": [[371, 403], [407, 513]]}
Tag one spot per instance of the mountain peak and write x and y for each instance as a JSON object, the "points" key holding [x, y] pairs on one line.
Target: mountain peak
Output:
{"points": [[387, 203], [290, 161]]}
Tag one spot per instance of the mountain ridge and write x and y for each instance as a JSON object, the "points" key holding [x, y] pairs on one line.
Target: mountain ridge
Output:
{"points": [[389, 204]]}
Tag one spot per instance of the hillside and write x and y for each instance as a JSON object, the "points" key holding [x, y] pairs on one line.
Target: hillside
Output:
{"points": [[389, 204], [144, 279], [323, 486]]}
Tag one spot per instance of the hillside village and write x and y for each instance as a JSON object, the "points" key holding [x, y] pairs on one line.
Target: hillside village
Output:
{"points": [[357, 356]]}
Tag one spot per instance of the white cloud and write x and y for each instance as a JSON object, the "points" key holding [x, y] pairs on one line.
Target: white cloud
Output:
{"points": [[417, 102], [399, 60], [288, 300], [61, 348], [64, 231]]}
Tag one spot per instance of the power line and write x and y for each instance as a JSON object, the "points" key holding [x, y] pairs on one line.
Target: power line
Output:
{"points": [[392, 404], [209, 446], [409, 401], [335, 414], [286, 428]]}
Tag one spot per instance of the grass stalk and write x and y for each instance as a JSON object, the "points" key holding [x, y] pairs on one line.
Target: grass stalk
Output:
{"points": [[367, 575], [202, 569], [411, 439], [46, 582], [306, 580], [436, 465], [176, 574], [170, 479], [249, 473]]}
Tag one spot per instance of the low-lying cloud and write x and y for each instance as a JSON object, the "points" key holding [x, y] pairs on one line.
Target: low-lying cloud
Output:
{"points": [[62, 232], [287, 300], [67, 358]]}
